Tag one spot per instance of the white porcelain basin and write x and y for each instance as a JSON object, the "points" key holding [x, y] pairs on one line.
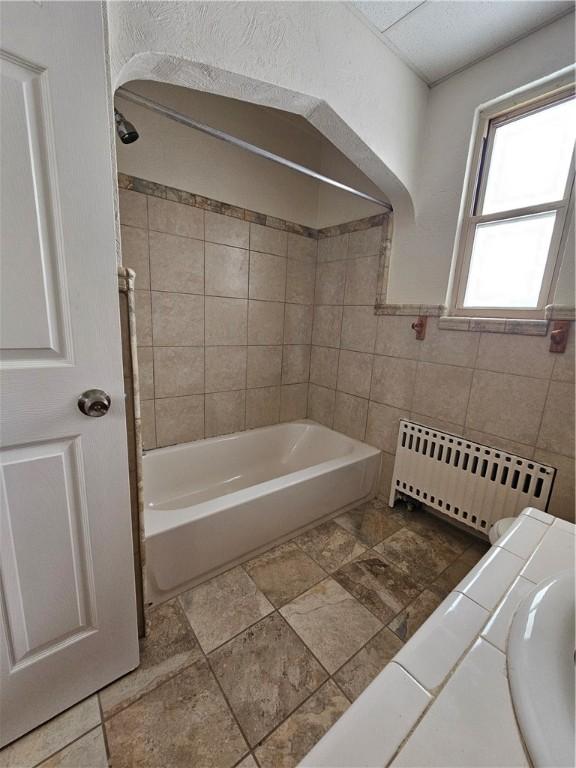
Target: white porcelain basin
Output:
{"points": [[541, 672]]}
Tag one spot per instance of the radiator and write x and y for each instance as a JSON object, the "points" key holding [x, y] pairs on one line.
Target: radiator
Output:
{"points": [[466, 481]]}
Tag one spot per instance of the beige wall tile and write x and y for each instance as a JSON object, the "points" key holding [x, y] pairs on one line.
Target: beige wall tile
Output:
{"points": [[393, 380], [361, 281], [442, 391], [562, 501], [330, 282], [298, 323], [396, 338], [359, 326], [333, 248], [435, 423], [146, 372], [177, 319], [225, 413], [324, 366], [383, 425], [300, 247], [507, 406], [226, 230], [133, 209], [510, 446], [226, 271], [226, 321], [350, 415], [354, 372], [262, 406], [179, 371], [327, 326], [365, 242], [143, 311], [265, 322], [175, 218], [225, 368], [293, 401], [564, 363], [176, 263], [148, 418], [386, 474], [557, 428], [264, 366], [268, 240], [300, 279], [321, 405], [267, 277], [449, 347], [295, 363], [179, 419], [510, 353], [135, 254]]}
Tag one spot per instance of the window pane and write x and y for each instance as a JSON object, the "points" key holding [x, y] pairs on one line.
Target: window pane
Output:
{"points": [[531, 158], [508, 262]]}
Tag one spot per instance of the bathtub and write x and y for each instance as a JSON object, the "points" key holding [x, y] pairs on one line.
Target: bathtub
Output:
{"points": [[213, 503]]}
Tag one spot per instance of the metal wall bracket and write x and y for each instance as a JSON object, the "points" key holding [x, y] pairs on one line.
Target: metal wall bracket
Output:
{"points": [[420, 327], [559, 335]]}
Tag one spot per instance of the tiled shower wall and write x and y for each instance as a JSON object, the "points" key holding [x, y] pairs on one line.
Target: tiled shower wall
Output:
{"points": [[368, 372], [224, 315]]}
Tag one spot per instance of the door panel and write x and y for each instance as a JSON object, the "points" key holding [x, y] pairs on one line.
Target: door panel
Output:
{"points": [[67, 596]]}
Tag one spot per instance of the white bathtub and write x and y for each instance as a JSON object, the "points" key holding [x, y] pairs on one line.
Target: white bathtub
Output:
{"points": [[211, 503]]}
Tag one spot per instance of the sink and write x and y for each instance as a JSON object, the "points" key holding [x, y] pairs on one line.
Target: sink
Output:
{"points": [[541, 673]]}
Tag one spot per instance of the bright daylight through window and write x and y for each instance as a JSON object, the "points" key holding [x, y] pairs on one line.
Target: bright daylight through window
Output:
{"points": [[520, 206]]}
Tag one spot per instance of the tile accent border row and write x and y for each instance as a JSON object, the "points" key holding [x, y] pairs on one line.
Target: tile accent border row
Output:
{"points": [[154, 189]]}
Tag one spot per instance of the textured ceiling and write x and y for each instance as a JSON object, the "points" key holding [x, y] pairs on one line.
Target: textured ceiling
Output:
{"points": [[439, 37]]}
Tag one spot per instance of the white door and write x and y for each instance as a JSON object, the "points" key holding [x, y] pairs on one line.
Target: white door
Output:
{"points": [[67, 593]]}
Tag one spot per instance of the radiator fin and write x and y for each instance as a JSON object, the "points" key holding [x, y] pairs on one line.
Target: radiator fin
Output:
{"points": [[467, 481]]}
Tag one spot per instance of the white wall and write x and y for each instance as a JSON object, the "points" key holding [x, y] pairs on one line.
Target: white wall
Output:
{"points": [[423, 248], [314, 59], [177, 156]]}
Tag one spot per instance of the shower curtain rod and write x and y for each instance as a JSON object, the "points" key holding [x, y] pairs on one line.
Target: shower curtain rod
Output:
{"points": [[178, 117]]}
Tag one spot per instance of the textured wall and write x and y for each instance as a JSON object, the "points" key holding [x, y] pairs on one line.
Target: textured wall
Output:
{"points": [[224, 318], [368, 372]]}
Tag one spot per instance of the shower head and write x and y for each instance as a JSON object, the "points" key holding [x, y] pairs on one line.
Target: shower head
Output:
{"points": [[124, 128]]}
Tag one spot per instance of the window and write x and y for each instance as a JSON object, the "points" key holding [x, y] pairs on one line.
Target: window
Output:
{"points": [[517, 208]]}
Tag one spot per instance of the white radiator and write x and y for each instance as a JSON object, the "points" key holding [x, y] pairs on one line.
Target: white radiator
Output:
{"points": [[467, 481]]}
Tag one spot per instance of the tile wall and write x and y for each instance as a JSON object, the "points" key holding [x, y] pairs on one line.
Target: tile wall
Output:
{"points": [[368, 372], [224, 314]]}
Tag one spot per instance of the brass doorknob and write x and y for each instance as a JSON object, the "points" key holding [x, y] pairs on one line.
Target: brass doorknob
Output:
{"points": [[94, 402]]}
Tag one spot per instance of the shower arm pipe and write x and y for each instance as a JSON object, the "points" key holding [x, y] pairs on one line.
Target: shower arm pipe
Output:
{"points": [[178, 117]]}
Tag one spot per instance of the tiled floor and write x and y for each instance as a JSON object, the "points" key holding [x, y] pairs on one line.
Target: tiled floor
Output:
{"points": [[253, 667]]}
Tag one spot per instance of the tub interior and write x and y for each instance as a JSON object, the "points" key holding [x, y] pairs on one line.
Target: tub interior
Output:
{"points": [[187, 475]]}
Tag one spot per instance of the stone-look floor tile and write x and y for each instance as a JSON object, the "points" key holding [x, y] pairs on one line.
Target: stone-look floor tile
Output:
{"points": [[370, 522], [169, 647], [266, 672], [53, 736], [423, 560], [476, 551], [283, 573], [299, 733], [88, 752], [185, 722], [379, 586], [248, 762], [415, 615], [224, 606], [362, 668], [330, 545], [434, 529], [332, 623], [451, 577]]}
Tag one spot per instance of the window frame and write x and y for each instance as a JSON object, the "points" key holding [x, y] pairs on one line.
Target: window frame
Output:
{"points": [[488, 123]]}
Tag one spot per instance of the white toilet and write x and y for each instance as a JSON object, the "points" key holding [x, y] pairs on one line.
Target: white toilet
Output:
{"points": [[499, 528]]}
